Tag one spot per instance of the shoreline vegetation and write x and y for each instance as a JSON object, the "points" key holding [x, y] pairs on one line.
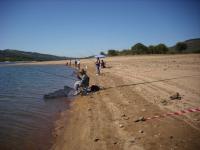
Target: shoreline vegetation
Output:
{"points": [[186, 47], [135, 87]]}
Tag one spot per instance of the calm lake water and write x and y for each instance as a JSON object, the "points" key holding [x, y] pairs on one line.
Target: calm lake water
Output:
{"points": [[26, 119]]}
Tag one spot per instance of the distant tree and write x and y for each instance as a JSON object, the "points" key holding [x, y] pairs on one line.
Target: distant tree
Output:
{"points": [[102, 53], [151, 49], [180, 46], [125, 52], [113, 52], [139, 48], [161, 49]]}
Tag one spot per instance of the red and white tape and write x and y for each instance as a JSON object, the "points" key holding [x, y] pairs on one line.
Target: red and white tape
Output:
{"points": [[175, 113]]}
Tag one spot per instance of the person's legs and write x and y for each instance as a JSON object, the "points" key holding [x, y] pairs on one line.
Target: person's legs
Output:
{"points": [[98, 70], [76, 87]]}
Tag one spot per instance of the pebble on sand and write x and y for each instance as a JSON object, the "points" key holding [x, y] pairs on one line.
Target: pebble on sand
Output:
{"points": [[114, 143], [140, 119], [141, 131], [121, 125], [96, 139], [124, 115], [126, 118]]}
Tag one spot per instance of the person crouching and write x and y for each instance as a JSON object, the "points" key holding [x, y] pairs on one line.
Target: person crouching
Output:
{"points": [[82, 85]]}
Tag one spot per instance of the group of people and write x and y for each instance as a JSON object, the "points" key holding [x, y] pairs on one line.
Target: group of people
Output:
{"points": [[99, 64], [77, 63]]}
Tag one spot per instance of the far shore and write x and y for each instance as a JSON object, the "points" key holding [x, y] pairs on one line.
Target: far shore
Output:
{"points": [[56, 62], [135, 87]]}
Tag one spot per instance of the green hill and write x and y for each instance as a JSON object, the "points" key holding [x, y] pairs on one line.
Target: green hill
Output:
{"points": [[16, 55]]}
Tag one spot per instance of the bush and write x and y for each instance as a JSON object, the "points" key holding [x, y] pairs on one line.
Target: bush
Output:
{"points": [[125, 52], [151, 49], [139, 48], [181, 46], [161, 49]]}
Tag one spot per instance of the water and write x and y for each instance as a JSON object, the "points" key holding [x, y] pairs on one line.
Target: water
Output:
{"points": [[26, 119]]}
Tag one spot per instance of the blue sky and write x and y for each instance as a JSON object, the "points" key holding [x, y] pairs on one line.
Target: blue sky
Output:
{"points": [[86, 27]]}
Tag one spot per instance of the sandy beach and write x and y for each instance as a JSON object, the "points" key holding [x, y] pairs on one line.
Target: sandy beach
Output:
{"points": [[146, 98], [134, 87]]}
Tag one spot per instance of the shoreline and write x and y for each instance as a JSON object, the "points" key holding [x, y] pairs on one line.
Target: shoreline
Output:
{"points": [[105, 119], [63, 62]]}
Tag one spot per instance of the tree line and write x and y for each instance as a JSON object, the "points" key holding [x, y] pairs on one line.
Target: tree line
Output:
{"points": [[140, 48]]}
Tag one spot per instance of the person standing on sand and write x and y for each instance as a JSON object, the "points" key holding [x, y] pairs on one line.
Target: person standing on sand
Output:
{"points": [[75, 63], [103, 64], [97, 63], [79, 64], [70, 62]]}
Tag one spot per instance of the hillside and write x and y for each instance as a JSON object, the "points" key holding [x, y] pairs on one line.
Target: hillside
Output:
{"points": [[193, 46], [16, 55]]}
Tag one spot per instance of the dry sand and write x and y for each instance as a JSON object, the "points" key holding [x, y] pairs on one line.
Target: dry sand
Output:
{"points": [[135, 86]]}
